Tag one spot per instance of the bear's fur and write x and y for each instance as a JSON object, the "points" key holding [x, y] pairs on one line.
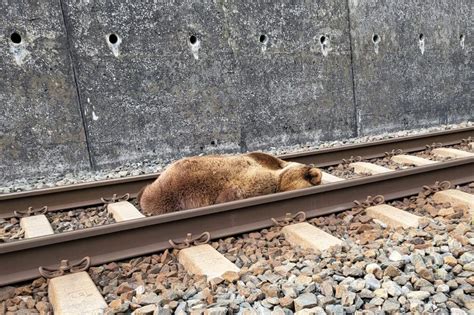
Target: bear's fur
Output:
{"points": [[202, 181]]}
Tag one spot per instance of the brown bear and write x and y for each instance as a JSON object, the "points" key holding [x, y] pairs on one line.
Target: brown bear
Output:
{"points": [[206, 180]]}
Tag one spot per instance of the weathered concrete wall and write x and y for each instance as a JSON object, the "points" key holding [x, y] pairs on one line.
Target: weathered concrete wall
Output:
{"points": [[155, 94], [412, 63], [40, 124], [112, 81]]}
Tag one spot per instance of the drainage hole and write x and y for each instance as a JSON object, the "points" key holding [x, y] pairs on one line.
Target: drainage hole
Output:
{"points": [[193, 39], [113, 39], [263, 38], [323, 39], [376, 38], [422, 37], [213, 142], [15, 37]]}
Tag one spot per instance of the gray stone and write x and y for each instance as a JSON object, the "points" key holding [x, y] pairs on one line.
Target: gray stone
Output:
{"points": [[402, 279], [261, 310], [442, 288], [357, 285], [371, 282], [352, 271], [149, 298], [366, 294], [439, 298], [420, 283], [377, 301], [348, 298], [216, 311], [145, 310], [457, 311], [311, 311], [181, 309], [393, 289], [162, 311], [416, 306], [390, 306], [289, 289], [469, 266], [305, 300], [441, 274], [395, 256], [418, 295], [437, 259], [327, 289], [381, 293], [335, 310]]}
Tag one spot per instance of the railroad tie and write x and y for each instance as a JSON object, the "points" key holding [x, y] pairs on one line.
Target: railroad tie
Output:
{"points": [[308, 236], [74, 294], [451, 153], [36, 225], [411, 160], [124, 211], [205, 260], [369, 168], [456, 198], [392, 216], [328, 178]]}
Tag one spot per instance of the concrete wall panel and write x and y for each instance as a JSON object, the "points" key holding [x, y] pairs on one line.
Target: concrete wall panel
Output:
{"points": [[411, 69], [41, 129], [293, 88], [154, 94]]}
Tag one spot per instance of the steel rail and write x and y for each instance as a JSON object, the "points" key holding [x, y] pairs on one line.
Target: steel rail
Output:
{"points": [[20, 260], [89, 194]]}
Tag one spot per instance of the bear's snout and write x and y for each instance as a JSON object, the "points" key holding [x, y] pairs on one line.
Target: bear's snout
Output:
{"points": [[315, 175]]}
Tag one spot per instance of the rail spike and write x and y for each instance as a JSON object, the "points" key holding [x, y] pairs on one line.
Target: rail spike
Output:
{"points": [[289, 218], [393, 153], [432, 146], [189, 241], [65, 267], [467, 140], [352, 159], [437, 186], [30, 211], [114, 198], [369, 202]]}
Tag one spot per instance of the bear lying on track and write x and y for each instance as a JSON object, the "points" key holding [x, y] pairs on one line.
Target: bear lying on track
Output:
{"points": [[206, 180]]}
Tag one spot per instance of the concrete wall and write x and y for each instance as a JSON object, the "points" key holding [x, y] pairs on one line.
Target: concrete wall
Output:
{"points": [[181, 78]]}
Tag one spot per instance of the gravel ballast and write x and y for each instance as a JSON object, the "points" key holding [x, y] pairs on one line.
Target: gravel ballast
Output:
{"points": [[429, 270]]}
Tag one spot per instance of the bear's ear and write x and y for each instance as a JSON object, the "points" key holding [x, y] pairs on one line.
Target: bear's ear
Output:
{"points": [[267, 160], [313, 175]]}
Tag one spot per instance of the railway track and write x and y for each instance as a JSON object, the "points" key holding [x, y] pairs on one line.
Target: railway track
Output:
{"points": [[89, 194], [21, 259], [375, 266]]}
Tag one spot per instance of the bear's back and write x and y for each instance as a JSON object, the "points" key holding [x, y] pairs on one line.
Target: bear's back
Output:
{"points": [[204, 180]]}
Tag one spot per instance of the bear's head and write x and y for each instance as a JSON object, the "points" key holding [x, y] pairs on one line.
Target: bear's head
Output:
{"points": [[297, 176]]}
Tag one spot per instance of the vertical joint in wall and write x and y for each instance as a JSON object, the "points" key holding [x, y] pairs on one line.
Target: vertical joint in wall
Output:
{"points": [[79, 101], [356, 131]]}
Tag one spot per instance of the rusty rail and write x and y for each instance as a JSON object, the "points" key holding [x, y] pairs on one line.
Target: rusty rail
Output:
{"points": [[89, 194], [20, 260]]}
